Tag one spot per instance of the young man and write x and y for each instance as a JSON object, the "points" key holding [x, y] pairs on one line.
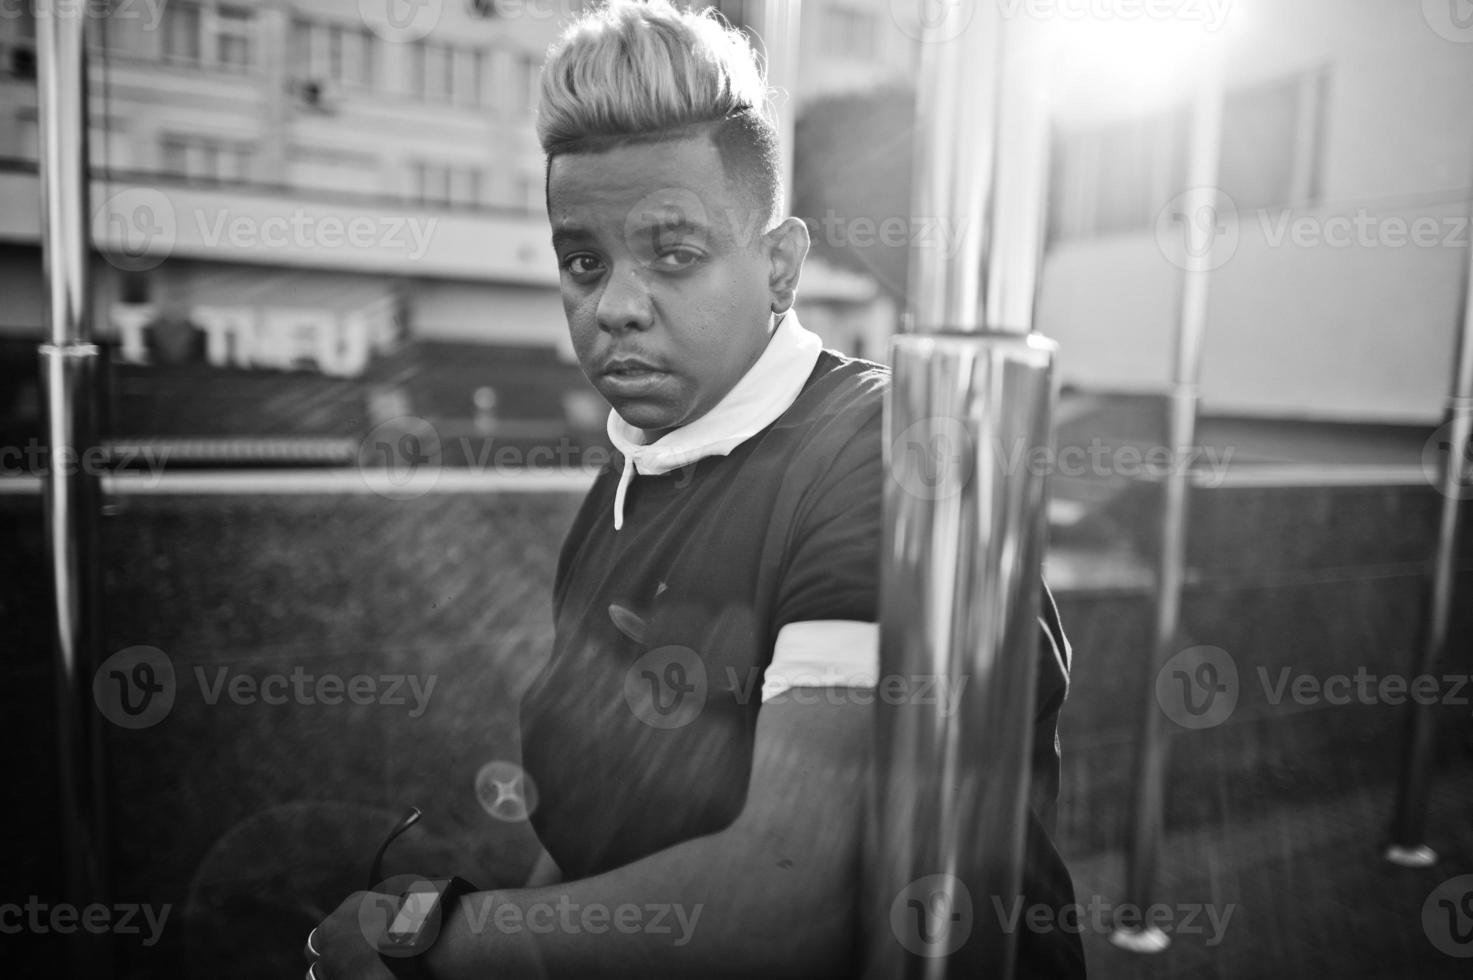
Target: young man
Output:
{"points": [[700, 735]]}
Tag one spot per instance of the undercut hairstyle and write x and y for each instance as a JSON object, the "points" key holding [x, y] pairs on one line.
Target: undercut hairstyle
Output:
{"points": [[631, 72]]}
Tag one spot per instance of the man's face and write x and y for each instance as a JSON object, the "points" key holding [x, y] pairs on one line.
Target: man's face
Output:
{"points": [[665, 276]]}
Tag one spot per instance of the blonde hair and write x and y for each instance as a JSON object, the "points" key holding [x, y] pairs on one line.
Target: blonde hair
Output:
{"points": [[640, 72]]}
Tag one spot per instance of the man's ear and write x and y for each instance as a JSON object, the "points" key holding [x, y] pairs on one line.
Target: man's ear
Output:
{"points": [[787, 247]]}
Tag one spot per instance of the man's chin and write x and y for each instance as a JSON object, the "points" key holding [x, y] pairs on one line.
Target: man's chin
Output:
{"points": [[652, 418]]}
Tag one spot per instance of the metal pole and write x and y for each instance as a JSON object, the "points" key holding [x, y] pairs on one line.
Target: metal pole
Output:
{"points": [[779, 32], [1200, 212], [68, 369], [964, 530], [1408, 841]]}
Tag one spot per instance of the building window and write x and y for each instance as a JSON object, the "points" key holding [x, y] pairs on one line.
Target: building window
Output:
{"points": [[218, 37], [1115, 179], [344, 54], [442, 73], [182, 33], [439, 183], [233, 29], [207, 158]]}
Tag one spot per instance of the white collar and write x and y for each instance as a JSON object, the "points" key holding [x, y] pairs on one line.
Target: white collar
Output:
{"points": [[768, 389]]}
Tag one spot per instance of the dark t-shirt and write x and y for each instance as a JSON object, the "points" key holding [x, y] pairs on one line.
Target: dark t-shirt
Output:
{"points": [[638, 732]]}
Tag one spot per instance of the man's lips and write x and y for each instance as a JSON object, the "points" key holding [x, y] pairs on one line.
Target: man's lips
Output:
{"points": [[629, 367], [632, 377]]}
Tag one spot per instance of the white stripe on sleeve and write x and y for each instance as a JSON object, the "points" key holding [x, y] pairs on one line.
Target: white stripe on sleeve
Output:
{"points": [[824, 653]]}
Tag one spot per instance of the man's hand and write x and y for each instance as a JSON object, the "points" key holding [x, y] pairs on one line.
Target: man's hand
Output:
{"points": [[346, 943], [770, 896]]}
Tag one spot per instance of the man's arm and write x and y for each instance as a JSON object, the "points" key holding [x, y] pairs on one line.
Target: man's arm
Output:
{"points": [[772, 895]]}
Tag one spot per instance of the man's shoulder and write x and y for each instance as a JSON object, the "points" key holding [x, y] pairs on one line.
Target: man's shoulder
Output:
{"points": [[842, 394]]}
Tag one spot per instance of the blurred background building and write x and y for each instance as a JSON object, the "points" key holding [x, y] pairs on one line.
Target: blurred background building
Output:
{"points": [[351, 192]]}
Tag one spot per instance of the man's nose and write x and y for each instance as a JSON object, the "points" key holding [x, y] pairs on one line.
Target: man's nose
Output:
{"points": [[625, 303]]}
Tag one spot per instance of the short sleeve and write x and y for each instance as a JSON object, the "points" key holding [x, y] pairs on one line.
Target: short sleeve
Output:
{"points": [[833, 568]]}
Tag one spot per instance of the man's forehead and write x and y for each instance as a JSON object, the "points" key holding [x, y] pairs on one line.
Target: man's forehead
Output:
{"points": [[675, 183]]}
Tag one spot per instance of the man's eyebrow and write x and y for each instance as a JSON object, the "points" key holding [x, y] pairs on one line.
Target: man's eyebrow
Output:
{"points": [[570, 235]]}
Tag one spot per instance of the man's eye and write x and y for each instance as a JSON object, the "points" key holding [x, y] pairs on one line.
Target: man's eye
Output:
{"points": [[678, 258], [581, 265]]}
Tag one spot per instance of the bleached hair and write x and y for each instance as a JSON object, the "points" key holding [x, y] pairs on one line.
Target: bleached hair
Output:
{"points": [[643, 71]]}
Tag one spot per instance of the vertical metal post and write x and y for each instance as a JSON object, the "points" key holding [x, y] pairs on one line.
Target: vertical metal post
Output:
{"points": [[964, 530], [1200, 212], [1408, 845], [68, 369], [779, 32]]}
